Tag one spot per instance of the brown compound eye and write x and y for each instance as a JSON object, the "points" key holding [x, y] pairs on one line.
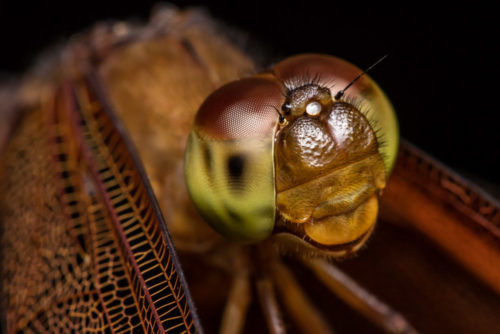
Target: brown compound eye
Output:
{"points": [[242, 109], [325, 71]]}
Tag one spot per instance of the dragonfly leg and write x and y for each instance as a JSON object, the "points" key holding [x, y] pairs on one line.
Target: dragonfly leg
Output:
{"points": [[238, 301], [306, 316], [359, 298], [270, 307]]}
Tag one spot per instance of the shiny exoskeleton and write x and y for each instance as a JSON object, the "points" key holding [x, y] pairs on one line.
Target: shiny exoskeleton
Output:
{"points": [[276, 152]]}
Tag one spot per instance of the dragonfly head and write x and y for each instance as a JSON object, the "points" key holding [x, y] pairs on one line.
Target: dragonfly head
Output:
{"points": [[278, 155]]}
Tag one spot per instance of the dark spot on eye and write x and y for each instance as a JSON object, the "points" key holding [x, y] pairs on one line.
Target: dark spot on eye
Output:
{"points": [[235, 167], [207, 158], [266, 211], [235, 217]]}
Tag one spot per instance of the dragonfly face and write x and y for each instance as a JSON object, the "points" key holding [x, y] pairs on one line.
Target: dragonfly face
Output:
{"points": [[310, 172], [155, 79]]}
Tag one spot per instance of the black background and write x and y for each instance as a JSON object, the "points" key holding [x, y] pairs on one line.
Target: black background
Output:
{"points": [[441, 74]]}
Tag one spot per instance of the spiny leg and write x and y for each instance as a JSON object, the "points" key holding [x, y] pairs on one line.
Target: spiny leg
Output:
{"points": [[270, 307], [238, 300], [358, 298], [298, 305]]}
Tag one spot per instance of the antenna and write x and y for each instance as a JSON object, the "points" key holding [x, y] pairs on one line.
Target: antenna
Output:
{"points": [[340, 93], [282, 118]]}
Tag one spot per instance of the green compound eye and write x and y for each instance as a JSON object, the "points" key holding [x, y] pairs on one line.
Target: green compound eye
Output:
{"points": [[277, 150], [229, 159]]}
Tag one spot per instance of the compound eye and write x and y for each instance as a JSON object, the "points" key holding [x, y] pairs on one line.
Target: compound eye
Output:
{"points": [[241, 109], [229, 163]]}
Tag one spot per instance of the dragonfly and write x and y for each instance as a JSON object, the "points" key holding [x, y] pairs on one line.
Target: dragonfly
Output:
{"points": [[72, 175]]}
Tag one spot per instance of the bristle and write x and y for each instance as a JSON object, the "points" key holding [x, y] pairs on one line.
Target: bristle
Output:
{"points": [[305, 79], [359, 103]]}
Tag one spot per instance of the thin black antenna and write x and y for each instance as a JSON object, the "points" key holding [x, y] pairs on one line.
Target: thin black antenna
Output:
{"points": [[282, 118], [341, 92]]}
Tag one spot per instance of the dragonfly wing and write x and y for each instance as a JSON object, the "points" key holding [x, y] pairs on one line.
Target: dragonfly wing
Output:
{"points": [[84, 245]]}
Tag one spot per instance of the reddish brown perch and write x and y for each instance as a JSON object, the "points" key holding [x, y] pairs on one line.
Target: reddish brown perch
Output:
{"points": [[447, 209]]}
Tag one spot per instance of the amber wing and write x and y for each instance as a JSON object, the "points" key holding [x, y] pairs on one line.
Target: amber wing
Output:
{"points": [[84, 247]]}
